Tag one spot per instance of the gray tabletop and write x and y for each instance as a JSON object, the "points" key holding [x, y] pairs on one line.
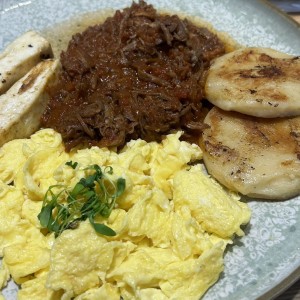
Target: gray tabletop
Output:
{"points": [[293, 293]]}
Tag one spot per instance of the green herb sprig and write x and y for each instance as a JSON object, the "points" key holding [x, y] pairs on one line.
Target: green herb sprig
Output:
{"points": [[94, 195]]}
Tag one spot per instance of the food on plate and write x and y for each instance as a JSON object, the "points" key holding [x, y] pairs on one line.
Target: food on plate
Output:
{"points": [[22, 106], [92, 196], [21, 56], [251, 143], [257, 157], [259, 82], [172, 222], [139, 74], [163, 234]]}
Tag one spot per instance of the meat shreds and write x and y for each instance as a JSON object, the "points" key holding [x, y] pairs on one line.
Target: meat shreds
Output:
{"points": [[138, 75]]}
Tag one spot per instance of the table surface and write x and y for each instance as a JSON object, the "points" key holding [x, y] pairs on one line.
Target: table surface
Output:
{"points": [[293, 293]]}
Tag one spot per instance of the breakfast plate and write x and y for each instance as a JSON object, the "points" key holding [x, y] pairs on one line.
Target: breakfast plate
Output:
{"points": [[267, 259]]}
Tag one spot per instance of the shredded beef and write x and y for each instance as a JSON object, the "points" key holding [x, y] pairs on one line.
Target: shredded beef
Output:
{"points": [[137, 75]]}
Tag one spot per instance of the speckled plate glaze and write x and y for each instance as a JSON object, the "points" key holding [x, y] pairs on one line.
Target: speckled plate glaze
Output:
{"points": [[267, 259]]}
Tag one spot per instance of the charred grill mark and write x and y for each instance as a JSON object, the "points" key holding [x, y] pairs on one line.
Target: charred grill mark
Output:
{"points": [[288, 163], [262, 72], [295, 135], [34, 74], [270, 72], [220, 150], [265, 58], [255, 135]]}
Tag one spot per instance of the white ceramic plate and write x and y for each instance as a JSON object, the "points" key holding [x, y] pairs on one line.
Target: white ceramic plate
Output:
{"points": [[267, 259]]}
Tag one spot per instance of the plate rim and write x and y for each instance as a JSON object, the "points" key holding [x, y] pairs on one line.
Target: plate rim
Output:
{"points": [[294, 275], [282, 286], [280, 12]]}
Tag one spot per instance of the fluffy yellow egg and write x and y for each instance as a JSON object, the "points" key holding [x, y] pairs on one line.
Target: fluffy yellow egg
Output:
{"points": [[172, 222]]}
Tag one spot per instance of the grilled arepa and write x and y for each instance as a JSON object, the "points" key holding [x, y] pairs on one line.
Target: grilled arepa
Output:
{"points": [[259, 82], [257, 157]]}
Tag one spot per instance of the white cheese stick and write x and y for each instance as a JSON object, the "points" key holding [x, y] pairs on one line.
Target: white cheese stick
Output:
{"points": [[21, 56], [22, 105]]}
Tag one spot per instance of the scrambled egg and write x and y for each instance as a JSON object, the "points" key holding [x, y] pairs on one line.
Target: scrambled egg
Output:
{"points": [[173, 223]]}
